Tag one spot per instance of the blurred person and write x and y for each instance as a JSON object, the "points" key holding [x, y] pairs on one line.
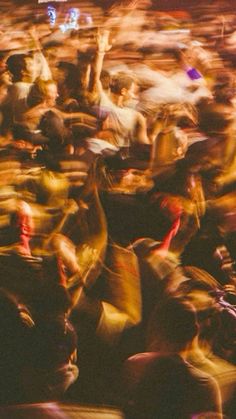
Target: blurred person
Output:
{"points": [[25, 338], [44, 114], [25, 145], [123, 125], [178, 219], [16, 328], [185, 59], [217, 121], [128, 125], [41, 98], [188, 76], [221, 209], [162, 383], [161, 275], [55, 346], [121, 301], [160, 269], [170, 142], [22, 228], [21, 68], [66, 76], [216, 317], [24, 69], [224, 87], [107, 311], [198, 61]]}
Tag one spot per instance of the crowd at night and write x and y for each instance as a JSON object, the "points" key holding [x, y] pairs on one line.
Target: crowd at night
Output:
{"points": [[117, 209]]}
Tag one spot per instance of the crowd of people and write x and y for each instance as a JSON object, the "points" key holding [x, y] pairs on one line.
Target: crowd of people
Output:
{"points": [[117, 209]]}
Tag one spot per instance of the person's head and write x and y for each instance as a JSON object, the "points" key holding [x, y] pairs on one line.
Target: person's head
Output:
{"points": [[123, 85], [201, 290], [52, 126], [66, 73], [224, 87], [51, 92], [216, 118], [16, 332], [173, 325], [21, 67], [43, 92]]}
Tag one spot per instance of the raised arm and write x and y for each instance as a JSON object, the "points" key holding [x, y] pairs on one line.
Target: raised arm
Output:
{"points": [[41, 63], [103, 46], [81, 117]]}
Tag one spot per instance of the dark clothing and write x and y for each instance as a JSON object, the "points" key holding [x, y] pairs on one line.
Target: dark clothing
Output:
{"points": [[167, 387]]}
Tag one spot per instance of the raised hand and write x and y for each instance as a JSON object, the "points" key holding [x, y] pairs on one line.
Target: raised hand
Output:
{"points": [[103, 43]]}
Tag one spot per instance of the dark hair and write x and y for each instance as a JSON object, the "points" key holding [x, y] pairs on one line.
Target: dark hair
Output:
{"points": [[71, 73], [16, 64], [224, 87], [213, 119], [175, 321], [53, 127], [38, 92], [121, 81]]}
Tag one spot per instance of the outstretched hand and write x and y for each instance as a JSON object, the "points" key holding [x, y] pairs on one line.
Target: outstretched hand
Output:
{"points": [[103, 43]]}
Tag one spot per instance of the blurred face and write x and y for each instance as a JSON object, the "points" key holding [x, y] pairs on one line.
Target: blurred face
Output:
{"points": [[51, 94], [129, 93], [30, 68]]}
